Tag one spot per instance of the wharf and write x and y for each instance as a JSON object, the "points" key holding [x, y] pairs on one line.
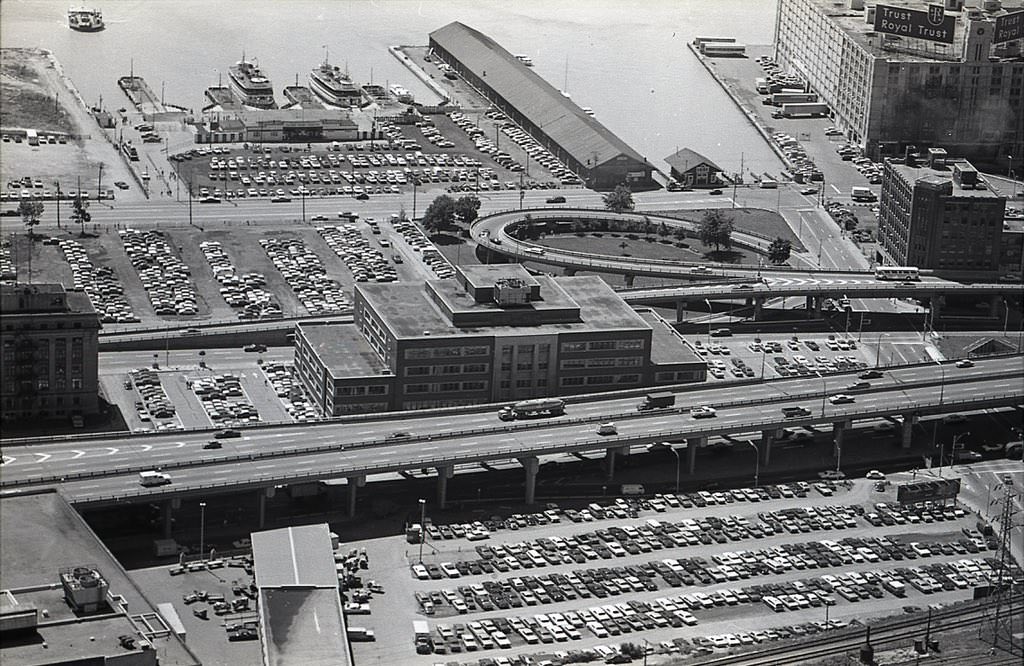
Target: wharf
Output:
{"points": [[140, 94], [221, 96], [303, 97], [399, 52]]}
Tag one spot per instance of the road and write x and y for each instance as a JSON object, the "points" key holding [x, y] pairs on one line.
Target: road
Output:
{"points": [[362, 447]]}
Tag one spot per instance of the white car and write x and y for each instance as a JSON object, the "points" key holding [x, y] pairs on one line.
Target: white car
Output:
{"points": [[607, 429], [831, 475], [840, 399], [702, 412], [874, 475], [420, 572], [965, 363]]}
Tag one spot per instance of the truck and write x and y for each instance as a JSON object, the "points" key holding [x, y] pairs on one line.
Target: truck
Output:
{"points": [[632, 489], [152, 478], [778, 99], [804, 109], [32, 136], [657, 401], [861, 193], [525, 409]]}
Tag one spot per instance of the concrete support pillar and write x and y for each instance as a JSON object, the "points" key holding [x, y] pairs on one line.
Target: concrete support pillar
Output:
{"points": [[354, 483], [629, 277], [767, 438], [444, 472], [530, 466], [261, 508], [692, 444], [167, 515], [680, 310], [818, 302], [809, 306], [609, 461], [758, 306], [908, 430]]}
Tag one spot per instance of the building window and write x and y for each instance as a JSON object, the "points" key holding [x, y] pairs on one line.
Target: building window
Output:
{"points": [[571, 381], [568, 347]]}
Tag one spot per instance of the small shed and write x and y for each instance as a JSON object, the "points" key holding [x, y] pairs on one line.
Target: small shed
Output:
{"points": [[691, 169]]}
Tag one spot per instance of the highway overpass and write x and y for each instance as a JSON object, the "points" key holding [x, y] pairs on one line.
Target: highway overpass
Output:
{"points": [[104, 471]]}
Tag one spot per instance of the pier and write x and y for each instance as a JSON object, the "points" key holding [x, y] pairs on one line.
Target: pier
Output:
{"points": [[221, 96], [302, 97], [140, 94]]}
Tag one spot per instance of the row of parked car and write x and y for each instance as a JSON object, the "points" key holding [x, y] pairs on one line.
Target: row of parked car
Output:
{"points": [[536, 151], [165, 277], [240, 291], [367, 263], [155, 402], [105, 291], [306, 275], [282, 380], [7, 270], [224, 400], [415, 238]]}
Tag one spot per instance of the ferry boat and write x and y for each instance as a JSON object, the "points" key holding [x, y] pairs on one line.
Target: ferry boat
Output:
{"points": [[525, 59], [85, 19], [250, 85], [334, 86], [401, 94]]}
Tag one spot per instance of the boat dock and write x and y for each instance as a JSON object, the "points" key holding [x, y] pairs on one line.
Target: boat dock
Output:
{"points": [[221, 96], [303, 97], [140, 94]]}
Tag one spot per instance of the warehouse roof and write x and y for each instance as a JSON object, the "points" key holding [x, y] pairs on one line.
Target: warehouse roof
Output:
{"points": [[558, 116], [685, 159]]}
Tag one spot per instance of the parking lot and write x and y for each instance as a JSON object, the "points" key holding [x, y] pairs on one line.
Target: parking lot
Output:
{"points": [[692, 574], [731, 359]]}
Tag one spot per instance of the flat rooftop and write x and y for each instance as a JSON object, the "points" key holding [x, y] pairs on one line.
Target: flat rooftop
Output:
{"points": [[667, 346], [945, 174], [343, 349], [43, 534], [408, 312], [303, 627], [294, 556]]}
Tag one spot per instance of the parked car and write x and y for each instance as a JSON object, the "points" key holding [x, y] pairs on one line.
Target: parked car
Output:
{"points": [[556, 200]]}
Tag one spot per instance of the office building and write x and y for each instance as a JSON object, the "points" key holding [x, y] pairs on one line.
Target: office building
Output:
{"points": [[492, 333], [584, 145], [960, 89], [50, 343], [940, 216]]}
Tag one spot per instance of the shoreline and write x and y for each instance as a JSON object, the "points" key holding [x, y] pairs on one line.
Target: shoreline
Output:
{"points": [[751, 117]]}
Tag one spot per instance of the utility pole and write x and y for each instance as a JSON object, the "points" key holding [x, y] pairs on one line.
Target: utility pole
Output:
{"points": [[99, 183], [57, 183]]}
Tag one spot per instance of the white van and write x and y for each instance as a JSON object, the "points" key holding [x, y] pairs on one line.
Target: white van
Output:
{"points": [[152, 478], [607, 429]]}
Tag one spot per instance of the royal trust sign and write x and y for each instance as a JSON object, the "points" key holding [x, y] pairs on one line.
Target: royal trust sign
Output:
{"points": [[933, 25]]}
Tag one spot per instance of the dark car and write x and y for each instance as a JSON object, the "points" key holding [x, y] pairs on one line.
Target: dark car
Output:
{"points": [[870, 374], [255, 347], [319, 218], [212, 444], [793, 412], [209, 200], [362, 196], [715, 192], [280, 200], [556, 200], [227, 434]]}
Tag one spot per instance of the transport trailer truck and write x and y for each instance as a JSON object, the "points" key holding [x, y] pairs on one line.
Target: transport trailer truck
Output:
{"points": [[657, 401], [526, 409], [804, 109]]}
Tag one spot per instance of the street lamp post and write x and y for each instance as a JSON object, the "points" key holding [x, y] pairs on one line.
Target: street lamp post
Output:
{"points": [[878, 348], [202, 529], [423, 526], [757, 462], [942, 450], [824, 392], [415, 184], [710, 314]]}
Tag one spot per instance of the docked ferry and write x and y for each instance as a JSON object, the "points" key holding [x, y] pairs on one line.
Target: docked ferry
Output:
{"points": [[334, 86], [85, 19], [250, 85], [401, 94], [525, 59]]}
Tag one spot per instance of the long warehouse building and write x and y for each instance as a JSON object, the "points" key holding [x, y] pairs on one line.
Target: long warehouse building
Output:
{"points": [[583, 144]]}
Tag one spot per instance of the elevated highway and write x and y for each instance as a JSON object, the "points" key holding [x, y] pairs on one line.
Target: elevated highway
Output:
{"points": [[103, 472]]}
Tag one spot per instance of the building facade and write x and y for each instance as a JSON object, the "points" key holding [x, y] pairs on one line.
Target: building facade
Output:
{"points": [[491, 334], [888, 92], [583, 144], [940, 216], [691, 169], [49, 338]]}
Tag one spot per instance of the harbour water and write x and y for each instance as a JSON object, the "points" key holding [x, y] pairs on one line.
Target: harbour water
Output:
{"points": [[626, 61]]}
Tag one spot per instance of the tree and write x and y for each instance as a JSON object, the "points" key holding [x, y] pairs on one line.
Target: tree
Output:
{"points": [[778, 251], [440, 214], [30, 212], [619, 200], [716, 229], [663, 230], [466, 208], [81, 213]]}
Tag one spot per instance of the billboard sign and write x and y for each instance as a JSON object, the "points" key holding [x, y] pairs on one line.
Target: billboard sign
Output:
{"points": [[927, 491], [1009, 27], [933, 25]]}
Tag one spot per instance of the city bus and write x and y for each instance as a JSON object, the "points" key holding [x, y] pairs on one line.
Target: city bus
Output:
{"points": [[897, 273]]}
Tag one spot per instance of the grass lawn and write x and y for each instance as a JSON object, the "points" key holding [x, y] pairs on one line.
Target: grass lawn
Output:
{"points": [[765, 223], [617, 244]]}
